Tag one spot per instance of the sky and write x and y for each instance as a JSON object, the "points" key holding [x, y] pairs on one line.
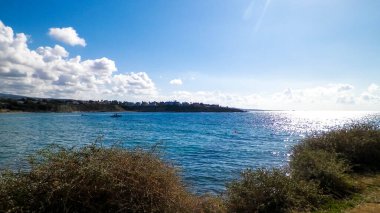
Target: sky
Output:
{"points": [[256, 54]]}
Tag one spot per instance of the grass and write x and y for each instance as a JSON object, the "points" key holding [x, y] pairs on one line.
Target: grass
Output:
{"points": [[328, 172], [368, 200]]}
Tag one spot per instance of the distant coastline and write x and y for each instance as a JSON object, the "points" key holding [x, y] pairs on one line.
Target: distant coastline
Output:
{"points": [[16, 104]]}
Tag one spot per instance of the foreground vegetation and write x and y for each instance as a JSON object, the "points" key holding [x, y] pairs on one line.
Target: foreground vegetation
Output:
{"points": [[97, 179], [324, 174], [328, 172]]}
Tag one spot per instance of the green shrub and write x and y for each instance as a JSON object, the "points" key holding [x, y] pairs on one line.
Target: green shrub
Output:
{"points": [[95, 179], [359, 144], [322, 168], [271, 191]]}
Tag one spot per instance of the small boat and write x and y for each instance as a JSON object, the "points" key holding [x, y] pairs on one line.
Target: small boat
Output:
{"points": [[115, 115]]}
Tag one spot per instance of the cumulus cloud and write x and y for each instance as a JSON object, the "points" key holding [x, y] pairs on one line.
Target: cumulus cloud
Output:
{"points": [[372, 94], [374, 88], [343, 87], [176, 82], [134, 83], [50, 72], [67, 35], [347, 99]]}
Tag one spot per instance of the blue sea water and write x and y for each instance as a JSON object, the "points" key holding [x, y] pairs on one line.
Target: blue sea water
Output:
{"points": [[210, 148]]}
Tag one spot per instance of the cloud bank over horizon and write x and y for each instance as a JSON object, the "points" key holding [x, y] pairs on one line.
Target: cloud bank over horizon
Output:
{"points": [[328, 97], [51, 72]]}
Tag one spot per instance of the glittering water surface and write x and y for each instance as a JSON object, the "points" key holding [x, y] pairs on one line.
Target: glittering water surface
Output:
{"points": [[210, 148]]}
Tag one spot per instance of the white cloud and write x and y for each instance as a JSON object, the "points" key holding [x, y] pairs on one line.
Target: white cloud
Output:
{"points": [[67, 35], [49, 72], [343, 87], [321, 97], [176, 82], [134, 83], [374, 88], [51, 54], [372, 94], [345, 99]]}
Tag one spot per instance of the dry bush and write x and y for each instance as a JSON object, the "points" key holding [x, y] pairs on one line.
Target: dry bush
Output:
{"points": [[96, 179]]}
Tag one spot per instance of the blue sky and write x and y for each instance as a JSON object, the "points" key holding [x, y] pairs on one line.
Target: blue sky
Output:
{"points": [[273, 54]]}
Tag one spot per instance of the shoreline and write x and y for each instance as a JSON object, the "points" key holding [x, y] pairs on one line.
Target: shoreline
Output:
{"points": [[26, 112]]}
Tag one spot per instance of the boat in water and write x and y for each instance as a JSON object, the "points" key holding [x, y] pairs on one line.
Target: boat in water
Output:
{"points": [[115, 115]]}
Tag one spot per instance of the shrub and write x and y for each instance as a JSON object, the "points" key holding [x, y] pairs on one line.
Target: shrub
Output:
{"points": [[271, 191], [96, 179], [322, 168], [359, 144]]}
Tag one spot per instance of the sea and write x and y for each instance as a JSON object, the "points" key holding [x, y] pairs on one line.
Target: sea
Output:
{"points": [[210, 149]]}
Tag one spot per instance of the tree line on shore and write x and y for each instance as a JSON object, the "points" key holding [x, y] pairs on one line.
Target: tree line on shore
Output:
{"points": [[27, 104]]}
